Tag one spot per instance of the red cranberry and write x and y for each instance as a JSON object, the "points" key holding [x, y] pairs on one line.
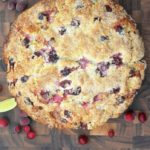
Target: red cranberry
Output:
{"points": [[85, 104], [142, 117], [62, 30], [120, 100], [129, 116], [67, 113], [104, 38], [52, 56], [17, 129], [11, 63], [21, 6], [116, 90], [26, 42], [76, 91], [37, 53], [119, 29], [56, 98], [111, 133], [24, 121], [83, 139], [83, 125], [117, 60], [31, 135], [83, 62], [28, 101], [66, 71], [65, 83], [40, 16], [24, 78], [26, 128], [3, 122], [134, 73], [97, 19], [75, 23], [96, 98], [45, 94], [43, 15], [22, 114], [108, 8], [102, 68]]}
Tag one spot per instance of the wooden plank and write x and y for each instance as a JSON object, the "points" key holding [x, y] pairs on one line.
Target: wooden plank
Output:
{"points": [[44, 130], [103, 130], [129, 136], [5, 92], [145, 4], [141, 142]]}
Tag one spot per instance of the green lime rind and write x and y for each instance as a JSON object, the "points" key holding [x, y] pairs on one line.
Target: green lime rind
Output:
{"points": [[7, 105]]}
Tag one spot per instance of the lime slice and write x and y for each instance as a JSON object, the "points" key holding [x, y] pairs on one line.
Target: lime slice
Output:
{"points": [[7, 104]]}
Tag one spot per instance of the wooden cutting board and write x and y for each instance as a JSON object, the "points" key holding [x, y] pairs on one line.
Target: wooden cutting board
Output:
{"points": [[129, 136]]}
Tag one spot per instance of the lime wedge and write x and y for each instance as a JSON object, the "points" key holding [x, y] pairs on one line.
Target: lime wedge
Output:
{"points": [[7, 104]]}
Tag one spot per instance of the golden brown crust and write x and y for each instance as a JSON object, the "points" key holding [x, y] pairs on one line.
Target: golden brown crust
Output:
{"points": [[74, 63]]}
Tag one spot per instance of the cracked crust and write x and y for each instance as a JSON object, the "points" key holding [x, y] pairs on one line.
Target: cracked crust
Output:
{"points": [[74, 64]]}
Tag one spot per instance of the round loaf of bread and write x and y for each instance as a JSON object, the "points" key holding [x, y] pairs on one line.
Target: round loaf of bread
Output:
{"points": [[74, 63]]}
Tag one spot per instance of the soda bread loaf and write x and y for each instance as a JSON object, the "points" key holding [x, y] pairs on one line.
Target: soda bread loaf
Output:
{"points": [[74, 63]]}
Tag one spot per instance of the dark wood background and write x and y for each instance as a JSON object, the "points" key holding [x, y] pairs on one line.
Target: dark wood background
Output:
{"points": [[130, 136]]}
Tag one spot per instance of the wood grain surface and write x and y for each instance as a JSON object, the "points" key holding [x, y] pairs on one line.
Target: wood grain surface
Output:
{"points": [[129, 136]]}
